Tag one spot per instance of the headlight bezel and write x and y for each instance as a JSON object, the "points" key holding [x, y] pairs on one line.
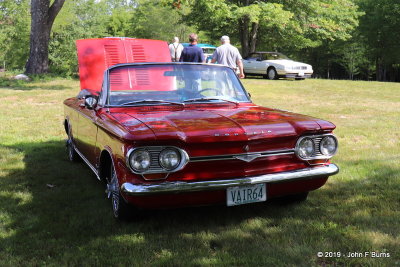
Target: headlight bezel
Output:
{"points": [[317, 139], [155, 166]]}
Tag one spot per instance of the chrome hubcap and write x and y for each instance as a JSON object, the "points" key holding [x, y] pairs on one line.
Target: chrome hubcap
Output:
{"points": [[70, 149], [112, 191], [271, 74], [112, 187]]}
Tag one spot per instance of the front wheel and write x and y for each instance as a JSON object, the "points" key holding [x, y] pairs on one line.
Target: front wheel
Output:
{"points": [[121, 209], [272, 74]]}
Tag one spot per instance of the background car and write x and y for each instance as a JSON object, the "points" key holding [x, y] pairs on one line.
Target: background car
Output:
{"points": [[273, 65], [208, 50]]}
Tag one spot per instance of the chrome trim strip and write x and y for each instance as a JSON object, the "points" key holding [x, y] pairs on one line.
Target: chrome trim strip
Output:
{"points": [[234, 156], [87, 162], [182, 187]]}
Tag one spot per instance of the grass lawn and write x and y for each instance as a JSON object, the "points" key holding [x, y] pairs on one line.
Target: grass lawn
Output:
{"points": [[53, 212]]}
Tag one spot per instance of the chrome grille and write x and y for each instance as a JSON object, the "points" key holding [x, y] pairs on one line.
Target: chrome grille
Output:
{"points": [[300, 67], [317, 151], [155, 164], [237, 156]]}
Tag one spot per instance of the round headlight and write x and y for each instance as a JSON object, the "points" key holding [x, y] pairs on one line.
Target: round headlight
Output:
{"points": [[140, 160], [328, 146], [169, 158], [305, 148]]}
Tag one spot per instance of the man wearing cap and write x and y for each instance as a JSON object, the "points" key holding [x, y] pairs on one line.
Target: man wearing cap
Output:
{"points": [[175, 49], [228, 55]]}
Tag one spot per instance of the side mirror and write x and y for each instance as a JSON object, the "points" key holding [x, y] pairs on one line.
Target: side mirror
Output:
{"points": [[249, 95], [90, 102]]}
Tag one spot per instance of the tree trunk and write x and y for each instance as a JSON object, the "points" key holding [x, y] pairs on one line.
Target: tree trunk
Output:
{"points": [[244, 35], [253, 37], [42, 19], [380, 70]]}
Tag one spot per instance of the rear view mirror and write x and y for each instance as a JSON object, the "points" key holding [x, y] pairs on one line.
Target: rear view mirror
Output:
{"points": [[90, 102], [173, 73]]}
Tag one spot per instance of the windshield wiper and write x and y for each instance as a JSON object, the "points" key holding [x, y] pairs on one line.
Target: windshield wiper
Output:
{"points": [[209, 98], [152, 102]]}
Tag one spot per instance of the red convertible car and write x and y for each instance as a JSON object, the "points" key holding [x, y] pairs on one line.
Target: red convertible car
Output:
{"points": [[168, 134]]}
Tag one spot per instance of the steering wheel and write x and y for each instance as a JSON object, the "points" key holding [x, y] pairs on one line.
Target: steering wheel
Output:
{"points": [[217, 92]]}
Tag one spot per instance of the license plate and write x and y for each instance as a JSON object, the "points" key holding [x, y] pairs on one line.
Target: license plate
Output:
{"points": [[301, 73], [245, 194]]}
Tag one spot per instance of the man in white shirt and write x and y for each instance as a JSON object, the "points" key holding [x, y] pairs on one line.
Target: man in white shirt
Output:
{"points": [[228, 55], [175, 49]]}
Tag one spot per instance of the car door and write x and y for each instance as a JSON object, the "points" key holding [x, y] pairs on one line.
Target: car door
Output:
{"points": [[249, 65], [87, 133], [260, 66]]}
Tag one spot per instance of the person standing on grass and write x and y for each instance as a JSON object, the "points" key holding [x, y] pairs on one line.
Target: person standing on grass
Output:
{"points": [[175, 50], [228, 55], [192, 53]]}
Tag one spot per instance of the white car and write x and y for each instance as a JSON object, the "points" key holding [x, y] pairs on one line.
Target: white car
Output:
{"points": [[273, 65]]}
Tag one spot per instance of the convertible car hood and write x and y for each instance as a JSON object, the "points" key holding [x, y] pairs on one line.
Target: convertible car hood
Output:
{"points": [[215, 125], [96, 55]]}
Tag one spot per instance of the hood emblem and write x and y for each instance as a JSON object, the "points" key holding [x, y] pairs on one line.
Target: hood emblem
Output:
{"points": [[248, 157], [245, 133], [246, 148]]}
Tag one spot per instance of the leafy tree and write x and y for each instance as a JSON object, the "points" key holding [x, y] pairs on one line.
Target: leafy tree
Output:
{"points": [[120, 22], [292, 24], [14, 33], [381, 29], [239, 19], [152, 19], [352, 57], [79, 19]]}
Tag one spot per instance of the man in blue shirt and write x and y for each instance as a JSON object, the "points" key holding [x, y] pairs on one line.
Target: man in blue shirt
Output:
{"points": [[192, 53]]}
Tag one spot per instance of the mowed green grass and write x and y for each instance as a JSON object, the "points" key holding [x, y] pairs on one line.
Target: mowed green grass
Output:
{"points": [[53, 212]]}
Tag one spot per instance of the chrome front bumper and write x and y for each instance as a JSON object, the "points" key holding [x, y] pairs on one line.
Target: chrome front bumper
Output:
{"points": [[182, 187], [288, 74]]}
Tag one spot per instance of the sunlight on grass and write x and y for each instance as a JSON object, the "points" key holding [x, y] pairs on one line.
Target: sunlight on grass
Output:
{"points": [[20, 198], [10, 159], [137, 238]]}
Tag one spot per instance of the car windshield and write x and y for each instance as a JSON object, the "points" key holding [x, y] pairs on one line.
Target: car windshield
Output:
{"points": [[273, 56], [173, 84]]}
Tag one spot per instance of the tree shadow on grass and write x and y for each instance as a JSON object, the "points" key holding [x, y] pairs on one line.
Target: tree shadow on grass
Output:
{"points": [[55, 212]]}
